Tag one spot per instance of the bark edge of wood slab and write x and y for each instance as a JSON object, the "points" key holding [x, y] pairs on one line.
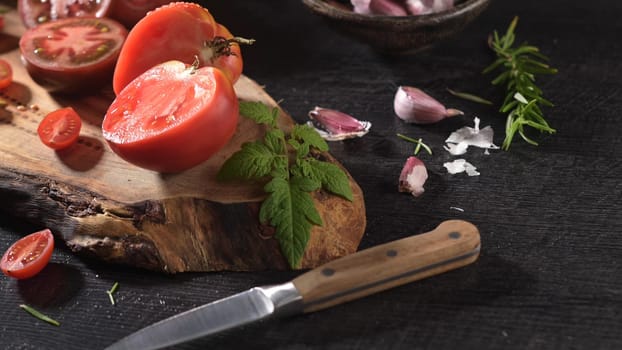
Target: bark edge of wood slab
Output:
{"points": [[176, 234]]}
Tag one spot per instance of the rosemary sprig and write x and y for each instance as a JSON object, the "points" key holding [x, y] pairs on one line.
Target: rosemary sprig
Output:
{"points": [[519, 64], [418, 142], [39, 315], [112, 290]]}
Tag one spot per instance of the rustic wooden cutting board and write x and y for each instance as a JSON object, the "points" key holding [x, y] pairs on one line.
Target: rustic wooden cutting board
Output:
{"points": [[101, 206]]}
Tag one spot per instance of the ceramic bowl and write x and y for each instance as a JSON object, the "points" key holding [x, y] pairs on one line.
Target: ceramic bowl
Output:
{"points": [[398, 34]]}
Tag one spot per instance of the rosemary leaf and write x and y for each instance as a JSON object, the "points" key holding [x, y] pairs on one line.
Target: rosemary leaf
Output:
{"points": [[469, 97], [39, 315], [112, 290], [418, 142]]}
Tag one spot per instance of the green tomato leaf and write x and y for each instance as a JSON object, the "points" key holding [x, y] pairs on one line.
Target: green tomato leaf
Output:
{"points": [[254, 160], [259, 112], [290, 209], [332, 178], [308, 135]]}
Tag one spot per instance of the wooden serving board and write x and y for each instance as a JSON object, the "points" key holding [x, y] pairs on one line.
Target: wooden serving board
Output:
{"points": [[102, 206]]}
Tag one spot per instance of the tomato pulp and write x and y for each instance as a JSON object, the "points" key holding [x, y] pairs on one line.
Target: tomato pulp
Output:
{"points": [[60, 128], [72, 54], [6, 74], [29, 255], [36, 12], [177, 31], [172, 117]]}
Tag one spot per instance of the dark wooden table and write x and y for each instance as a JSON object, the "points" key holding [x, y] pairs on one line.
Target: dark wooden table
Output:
{"points": [[550, 272]]}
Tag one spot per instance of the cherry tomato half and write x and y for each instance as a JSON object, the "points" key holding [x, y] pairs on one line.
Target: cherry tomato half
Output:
{"points": [[72, 54], [29, 255], [177, 31], [60, 128], [172, 117], [6, 74], [36, 12]]}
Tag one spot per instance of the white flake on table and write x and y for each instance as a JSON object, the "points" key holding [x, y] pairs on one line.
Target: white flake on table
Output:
{"points": [[460, 166], [459, 141]]}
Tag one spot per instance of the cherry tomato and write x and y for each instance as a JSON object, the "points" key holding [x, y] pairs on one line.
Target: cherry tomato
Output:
{"points": [[29, 255], [6, 74], [129, 12], [177, 31], [72, 54], [60, 128], [172, 117], [35, 12]]}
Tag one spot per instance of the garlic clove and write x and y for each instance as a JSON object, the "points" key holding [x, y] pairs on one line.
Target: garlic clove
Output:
{"points": [[413, 176], [415, 106], [388, 7], [334, 125], [361, 6]]}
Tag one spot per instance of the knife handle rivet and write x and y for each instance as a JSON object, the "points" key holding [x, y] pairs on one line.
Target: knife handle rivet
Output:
{"points": [[391, 252], [454, 235], [328, 272]]}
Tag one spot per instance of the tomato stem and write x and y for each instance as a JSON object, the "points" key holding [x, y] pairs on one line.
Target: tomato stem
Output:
{"points": [[221, 46]]}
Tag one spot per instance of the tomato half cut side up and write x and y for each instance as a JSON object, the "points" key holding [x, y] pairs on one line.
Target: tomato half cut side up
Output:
{"points": [[172, 117], [72, 55], [29, 255], [6, 74], [60, 129]]}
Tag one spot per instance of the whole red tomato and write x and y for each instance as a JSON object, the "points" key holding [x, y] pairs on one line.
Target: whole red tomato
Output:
{"points": [[177, 31], [72, 54], [172, 117], [35, 12], [129, 12]]}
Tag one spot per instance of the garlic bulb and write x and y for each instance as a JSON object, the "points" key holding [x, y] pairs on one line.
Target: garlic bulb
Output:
{"points": [[415, 106]]}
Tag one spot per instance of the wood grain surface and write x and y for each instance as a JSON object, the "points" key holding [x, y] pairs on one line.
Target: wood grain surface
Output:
{"points": [[550, 271]]}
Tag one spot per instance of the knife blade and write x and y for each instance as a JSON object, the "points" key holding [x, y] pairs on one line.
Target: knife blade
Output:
{"points": [[452, 244]]}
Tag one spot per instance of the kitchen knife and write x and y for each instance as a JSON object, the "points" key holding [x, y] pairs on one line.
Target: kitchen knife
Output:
{"points": [[453, 244]]}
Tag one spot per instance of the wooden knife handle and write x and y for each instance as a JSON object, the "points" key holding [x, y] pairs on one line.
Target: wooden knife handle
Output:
{"points": [[453, 244]]}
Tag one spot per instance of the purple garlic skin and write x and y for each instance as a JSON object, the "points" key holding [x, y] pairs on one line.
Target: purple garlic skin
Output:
{"points": [[424, 7], [400, 7], [333, 125], [413, 176], [412, 105], [388, 7]]}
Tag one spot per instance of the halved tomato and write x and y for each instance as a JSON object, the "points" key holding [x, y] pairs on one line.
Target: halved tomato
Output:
{"points": [[29, 255], [60, 128], [35, 12], [177, 31], [6, 74], [172, 117], [73, 54]]}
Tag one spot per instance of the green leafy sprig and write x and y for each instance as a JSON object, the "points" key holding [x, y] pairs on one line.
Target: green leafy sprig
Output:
{"points": [[520, 65], [291, 166]]}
